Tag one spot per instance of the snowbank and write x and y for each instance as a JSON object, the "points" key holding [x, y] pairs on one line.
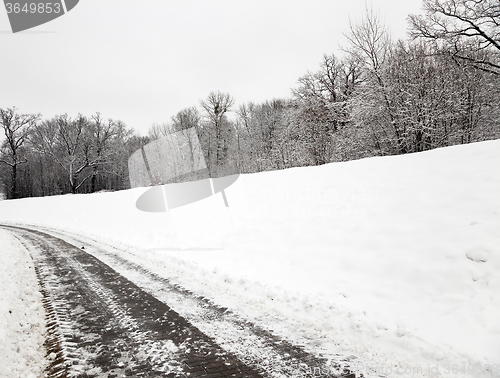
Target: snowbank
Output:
{"points": [[22, 317], [395, 260]]}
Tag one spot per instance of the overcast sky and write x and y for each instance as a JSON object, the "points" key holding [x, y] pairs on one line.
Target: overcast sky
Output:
{"points": [[141, 61]]}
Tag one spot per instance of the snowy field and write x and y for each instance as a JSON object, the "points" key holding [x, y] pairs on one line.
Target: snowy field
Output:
{"points": [[393, 260]]}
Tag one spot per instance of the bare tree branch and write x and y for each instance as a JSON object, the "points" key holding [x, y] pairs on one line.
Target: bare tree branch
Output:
{"points": [[451, 23]]}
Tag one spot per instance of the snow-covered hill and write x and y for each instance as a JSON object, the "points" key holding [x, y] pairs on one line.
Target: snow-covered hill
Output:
{"points": [[394, 260]]}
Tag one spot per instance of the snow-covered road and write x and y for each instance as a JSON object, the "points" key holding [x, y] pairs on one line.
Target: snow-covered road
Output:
{"points": [[101, 324]]}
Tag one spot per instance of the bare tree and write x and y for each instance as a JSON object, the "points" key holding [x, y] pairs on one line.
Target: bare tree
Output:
{"points": [[322, 104], [158, 130], [186, 119], [370, 40], [466, 29], [187, 123], [67, 141], [102, 135], [264, 136], [216, 106], [16, 128], [371, 46], [250, 155]]}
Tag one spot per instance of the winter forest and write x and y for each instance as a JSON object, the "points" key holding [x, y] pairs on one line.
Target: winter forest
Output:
{"points": [[440, 87]]}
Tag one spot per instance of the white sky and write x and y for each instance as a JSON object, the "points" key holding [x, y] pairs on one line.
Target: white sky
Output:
{"points": [[142, 61]]}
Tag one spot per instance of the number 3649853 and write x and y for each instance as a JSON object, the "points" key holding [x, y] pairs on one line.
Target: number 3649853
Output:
{"points": [[33, 8]]}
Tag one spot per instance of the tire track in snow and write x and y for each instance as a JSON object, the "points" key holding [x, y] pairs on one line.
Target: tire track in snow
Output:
{"points": [[102, 325], [254, 346]]}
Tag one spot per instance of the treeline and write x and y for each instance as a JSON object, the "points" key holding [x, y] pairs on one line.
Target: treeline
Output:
{"points": [[381, 97], [63, 155]]}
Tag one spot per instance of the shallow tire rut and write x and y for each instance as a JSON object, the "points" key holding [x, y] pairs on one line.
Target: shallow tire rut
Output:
{"points": [[100, 324]]}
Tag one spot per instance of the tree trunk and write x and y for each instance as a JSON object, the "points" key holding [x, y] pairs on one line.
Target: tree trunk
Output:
{"points": [[13, 185], [93, 185]]}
